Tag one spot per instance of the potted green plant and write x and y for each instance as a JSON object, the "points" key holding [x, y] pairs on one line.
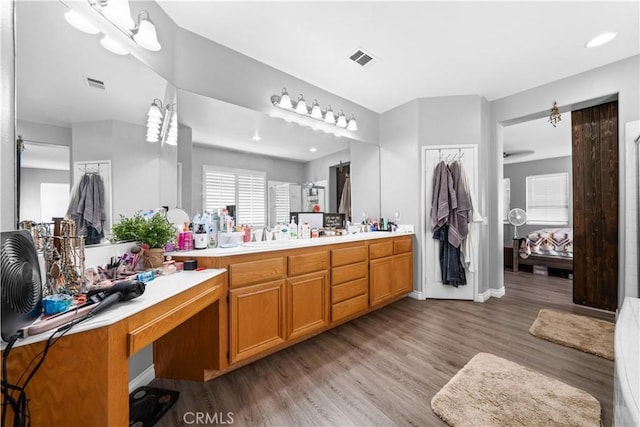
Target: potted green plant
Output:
{"points": [[152, 233]]}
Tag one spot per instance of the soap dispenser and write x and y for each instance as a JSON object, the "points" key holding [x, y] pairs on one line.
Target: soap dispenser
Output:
{"points": [[293, 229]]}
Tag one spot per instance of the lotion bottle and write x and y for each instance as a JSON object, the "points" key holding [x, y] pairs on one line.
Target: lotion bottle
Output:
{"points": [[293, 229]]}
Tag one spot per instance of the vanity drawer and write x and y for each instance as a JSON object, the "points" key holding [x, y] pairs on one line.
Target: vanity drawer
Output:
{"points": [[349, 255], [402, 246], [380, 250], [347, 273], [349, 290], [308, 263], [260, 271], [349, 307]]}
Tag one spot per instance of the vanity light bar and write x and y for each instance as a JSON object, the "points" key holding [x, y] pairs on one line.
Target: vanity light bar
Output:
{"points": [[117, 13], [300, 106]]}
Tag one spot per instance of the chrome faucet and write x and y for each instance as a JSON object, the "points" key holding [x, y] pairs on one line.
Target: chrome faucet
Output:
{"points": [[264, 234]]}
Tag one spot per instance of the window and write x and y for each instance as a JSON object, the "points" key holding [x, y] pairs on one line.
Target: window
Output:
{"points": [[243, 188], [282, 205], [548, 199]]}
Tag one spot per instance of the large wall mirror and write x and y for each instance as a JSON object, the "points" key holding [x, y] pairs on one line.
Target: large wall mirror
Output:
{"points": [[74, 102], [89, 105]]}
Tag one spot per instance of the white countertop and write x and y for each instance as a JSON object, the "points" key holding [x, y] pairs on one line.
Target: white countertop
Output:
{"points": [[277, 245], [627, 364], [156, 291]]}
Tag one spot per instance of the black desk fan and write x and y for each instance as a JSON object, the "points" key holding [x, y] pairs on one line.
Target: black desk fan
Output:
{"points": [[21, 284]]}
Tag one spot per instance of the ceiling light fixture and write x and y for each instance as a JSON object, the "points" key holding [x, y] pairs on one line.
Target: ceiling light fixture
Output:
{"points": [[113, 46], [313, 149], [601, 39], [300, 107], [118, 14], [255, 136], [78, 22], [316, 112], [145, 34], [162, 123]]}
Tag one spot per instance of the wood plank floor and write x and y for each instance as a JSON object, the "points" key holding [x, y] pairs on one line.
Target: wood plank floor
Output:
{"points": [[384, 368]]}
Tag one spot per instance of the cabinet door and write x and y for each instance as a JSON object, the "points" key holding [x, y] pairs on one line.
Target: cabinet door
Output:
{"points": [[381, 277], [402, 274], [256, 319], [307, 304]]}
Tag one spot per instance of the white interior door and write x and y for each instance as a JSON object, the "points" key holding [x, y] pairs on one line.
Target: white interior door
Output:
{"points": [[434, 288]]}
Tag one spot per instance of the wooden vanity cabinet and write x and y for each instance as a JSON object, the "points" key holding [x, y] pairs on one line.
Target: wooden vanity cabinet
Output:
{"points": [[307, 304], [282, 296], [349, 281], [256, 319], [307, 293], [390, 269], [275, 297]]}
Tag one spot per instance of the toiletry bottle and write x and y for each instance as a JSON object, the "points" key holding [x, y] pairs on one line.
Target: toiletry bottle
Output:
{"points": [[284, 232], [293, 229], [306, 230]]}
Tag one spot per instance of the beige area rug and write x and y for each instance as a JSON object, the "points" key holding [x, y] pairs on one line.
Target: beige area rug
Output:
{"points": [[586, 334], [491, 391]]}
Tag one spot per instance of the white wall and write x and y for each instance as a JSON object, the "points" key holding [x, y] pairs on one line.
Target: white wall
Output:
{"points": [[40, 132], [30, 180], [137, 167], [400, 173], [185, 157], [365, 180], [619, 77], [452, 120]]}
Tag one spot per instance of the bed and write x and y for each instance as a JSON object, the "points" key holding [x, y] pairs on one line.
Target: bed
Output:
{"points": [[548, 247]]}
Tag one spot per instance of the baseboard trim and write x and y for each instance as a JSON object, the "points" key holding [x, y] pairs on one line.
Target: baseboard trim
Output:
{"points": [[418, 295], [484, 296], [144, 378]]}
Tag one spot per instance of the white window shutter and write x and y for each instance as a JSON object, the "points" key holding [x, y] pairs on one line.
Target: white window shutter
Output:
{"points": [[244, 189], [283, 206], [219, 189], [251, 199]]}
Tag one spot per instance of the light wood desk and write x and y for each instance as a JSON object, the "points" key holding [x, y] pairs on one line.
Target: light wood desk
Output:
{"points": [[84, 379]]}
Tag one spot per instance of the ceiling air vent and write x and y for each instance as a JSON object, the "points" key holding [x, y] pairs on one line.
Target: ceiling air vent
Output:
{"points": [[361, 57], [95, 83]]}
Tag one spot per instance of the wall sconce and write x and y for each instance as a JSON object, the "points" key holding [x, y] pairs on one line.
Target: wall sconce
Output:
{"points": [[314, 111], [554, 116], [118, 14], [162, 123]]}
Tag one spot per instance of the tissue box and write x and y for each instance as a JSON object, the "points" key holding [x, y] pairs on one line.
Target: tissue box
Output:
{"points": [[230, 240]]}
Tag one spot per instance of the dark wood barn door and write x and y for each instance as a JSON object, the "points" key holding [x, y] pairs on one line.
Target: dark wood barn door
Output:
{"points": [[595, 206]]}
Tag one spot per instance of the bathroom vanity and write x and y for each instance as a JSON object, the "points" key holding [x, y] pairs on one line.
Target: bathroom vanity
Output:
{"points": [[250, 301], [282, 292]]}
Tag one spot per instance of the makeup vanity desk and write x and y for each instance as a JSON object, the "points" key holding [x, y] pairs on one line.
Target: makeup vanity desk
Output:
{"points": [[84, 379]]}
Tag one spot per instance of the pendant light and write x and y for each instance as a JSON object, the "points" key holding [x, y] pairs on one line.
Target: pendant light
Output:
{"points": [[78, 22], [285, 100], [329, 117], [118, 12], [145, 34], [301, 106], [342, 120], [352, 125], [113, 46], [316, 113]]}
